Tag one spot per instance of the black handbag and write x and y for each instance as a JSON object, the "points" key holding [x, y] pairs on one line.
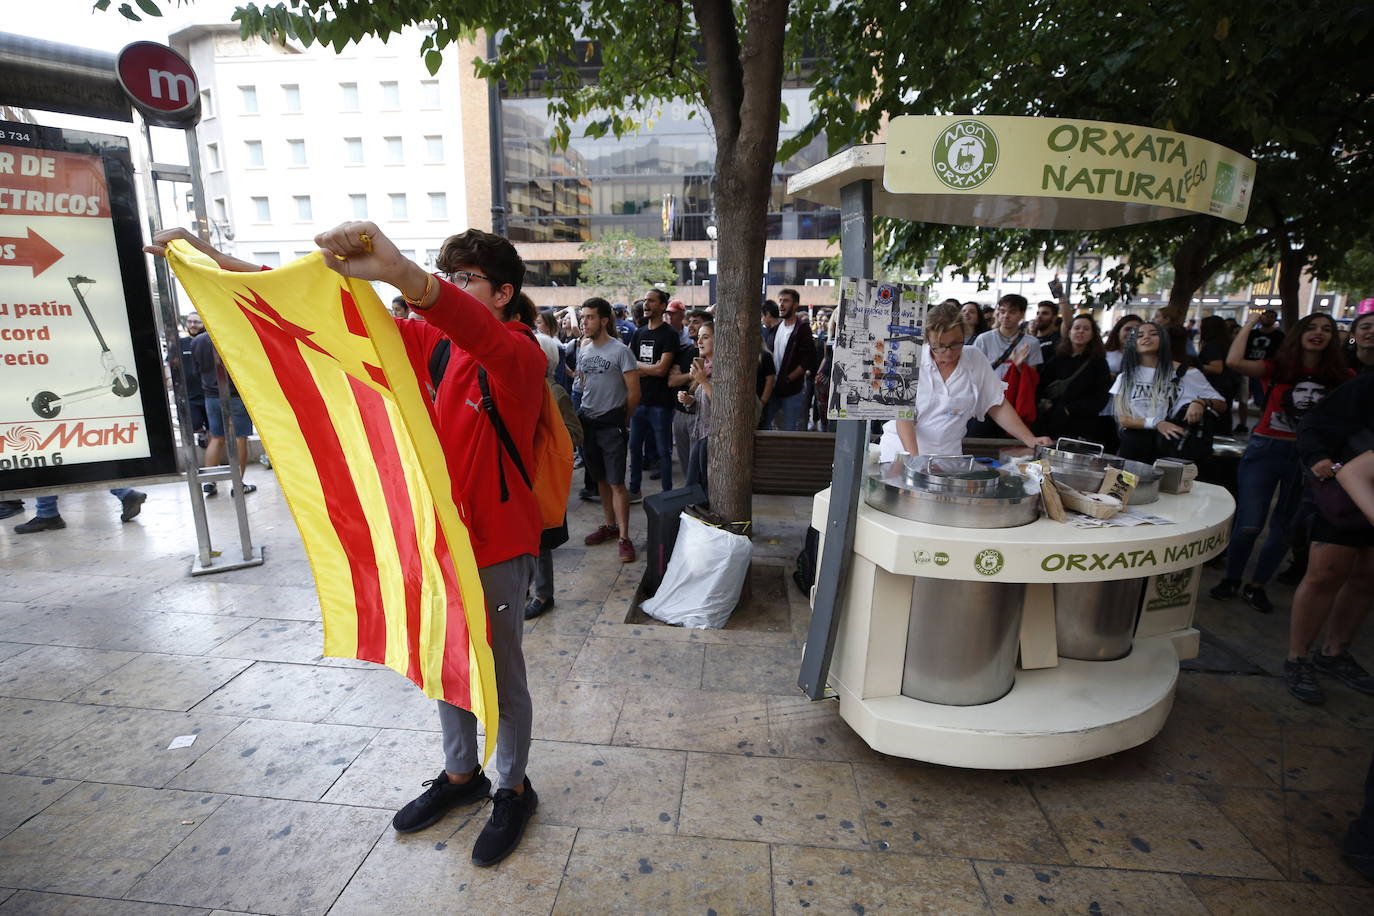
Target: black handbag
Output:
{"points": [[1336, 506], [1195, 444]]}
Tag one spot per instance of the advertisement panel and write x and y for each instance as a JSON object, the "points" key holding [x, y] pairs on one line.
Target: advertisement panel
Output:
{"points": [[82, 398], [877, 350]]}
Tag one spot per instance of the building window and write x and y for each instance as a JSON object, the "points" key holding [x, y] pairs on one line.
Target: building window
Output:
{"points": [[399, 210], [261, 210], [254, 150], [207, 104], [349, 92], [434, 149], [395, 151], [212, 153], [297, 150], [432, 258], [353, 150], [249, 95], [268, 258], [303, 212], [438, 205], [359, 204], [391, 95], [293, 97], [429, 94], [221, 210]]}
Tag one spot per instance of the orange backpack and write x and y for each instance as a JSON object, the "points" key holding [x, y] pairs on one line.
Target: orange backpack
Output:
{"points": [[553, 450]]}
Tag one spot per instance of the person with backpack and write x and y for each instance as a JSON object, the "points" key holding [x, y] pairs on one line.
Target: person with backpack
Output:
{"points": [[610, 394], [469, 305]]}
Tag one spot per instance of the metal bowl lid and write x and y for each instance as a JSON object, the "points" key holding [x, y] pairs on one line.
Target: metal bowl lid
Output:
{"points": [[949, 474]]}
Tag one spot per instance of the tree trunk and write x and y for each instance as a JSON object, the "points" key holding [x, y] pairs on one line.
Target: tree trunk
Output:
{"points": [[1191, 270], [744, 101], [1291, 264]]}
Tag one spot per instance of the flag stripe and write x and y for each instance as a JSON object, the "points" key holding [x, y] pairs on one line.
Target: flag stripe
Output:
{"points": [[457, 667], [346, 512], [400, 508]]}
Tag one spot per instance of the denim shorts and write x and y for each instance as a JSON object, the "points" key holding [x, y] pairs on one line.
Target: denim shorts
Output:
{"points": [[243, 425]]}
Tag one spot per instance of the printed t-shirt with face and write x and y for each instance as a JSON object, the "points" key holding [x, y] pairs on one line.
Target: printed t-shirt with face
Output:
{"points": [[1193, 385], [1263, 344], [1286, 403], [649, 346], [992, 345], [944, 406], [603, 369]]}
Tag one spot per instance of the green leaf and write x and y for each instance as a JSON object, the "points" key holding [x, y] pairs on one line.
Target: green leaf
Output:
{"points": [[127, 12], [433, 61], [149, 7]]}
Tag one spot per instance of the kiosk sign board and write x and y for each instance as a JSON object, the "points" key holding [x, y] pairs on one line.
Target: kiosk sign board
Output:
{"points": [[1061, 172], [877, 350], [82, 397]]}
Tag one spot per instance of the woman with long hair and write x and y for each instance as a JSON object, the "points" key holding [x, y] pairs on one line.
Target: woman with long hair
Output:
{"points": [[1116, 340], [698, 397], [1307, 365], [971, 315], [1360, 353], [1155, 396], [1073, 385]]}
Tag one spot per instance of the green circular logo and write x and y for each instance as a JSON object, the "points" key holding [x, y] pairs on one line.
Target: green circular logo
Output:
{"points": [[965, 154], [1173, 585], [988, 562]]}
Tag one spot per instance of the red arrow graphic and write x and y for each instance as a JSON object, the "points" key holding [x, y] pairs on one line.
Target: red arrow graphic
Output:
{"points": [[34, 251]]}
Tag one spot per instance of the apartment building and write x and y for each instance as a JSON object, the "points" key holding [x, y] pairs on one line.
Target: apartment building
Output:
{"points": [[293, 139]]}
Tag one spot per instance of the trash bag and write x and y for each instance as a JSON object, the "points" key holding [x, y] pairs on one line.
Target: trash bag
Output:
{"points": [[704, 578]]}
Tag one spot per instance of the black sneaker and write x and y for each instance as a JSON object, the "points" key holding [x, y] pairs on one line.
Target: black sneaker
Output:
{"points": [[1225, 589], [1345, 669], [439, 799], [509, 812], [636, 497], [537, 606], [209, 489], [10, 507], [590, 496], [1301, 679], [38, 523], [1255, 597], [133, 504]]}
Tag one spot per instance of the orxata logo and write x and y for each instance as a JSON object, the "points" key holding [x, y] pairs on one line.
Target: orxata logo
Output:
{"points": [[965, 154]]}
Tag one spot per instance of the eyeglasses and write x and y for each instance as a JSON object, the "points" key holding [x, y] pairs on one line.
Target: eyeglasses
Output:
{"points": [[461, 278], [945, 349]]}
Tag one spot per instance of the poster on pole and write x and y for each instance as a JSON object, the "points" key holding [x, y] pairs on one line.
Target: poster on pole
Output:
{"points": [[877, 350], [83, 398]]}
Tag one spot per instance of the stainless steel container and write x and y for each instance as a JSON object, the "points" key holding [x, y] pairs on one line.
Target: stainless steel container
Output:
{"points": [[1094, 621], [1147, 489], [961, 641], [1078, 464], [1003, 503]]}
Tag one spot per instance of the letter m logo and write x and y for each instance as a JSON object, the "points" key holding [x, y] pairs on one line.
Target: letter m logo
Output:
{"points": [[178, 86]]}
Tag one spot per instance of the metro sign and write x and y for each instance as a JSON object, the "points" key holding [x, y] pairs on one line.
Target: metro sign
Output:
{"points": [[160, 84]]}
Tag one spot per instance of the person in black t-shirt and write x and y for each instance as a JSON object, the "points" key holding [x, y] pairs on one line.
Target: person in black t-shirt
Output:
{"points": [[655, 346], [679, 379]]}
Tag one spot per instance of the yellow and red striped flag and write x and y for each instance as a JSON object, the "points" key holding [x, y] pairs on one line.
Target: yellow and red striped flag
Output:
{"points": [[325, 376]]}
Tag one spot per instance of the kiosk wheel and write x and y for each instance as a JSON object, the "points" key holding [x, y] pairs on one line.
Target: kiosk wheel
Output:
{"points": [[124, 386], [43, 405]]}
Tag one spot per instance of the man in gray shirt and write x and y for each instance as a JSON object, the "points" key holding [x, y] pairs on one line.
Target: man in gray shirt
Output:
{"points": [[1005, 345], [610, 394]]}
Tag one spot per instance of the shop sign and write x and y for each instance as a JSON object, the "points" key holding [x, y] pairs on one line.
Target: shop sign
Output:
{"points": [[82, 397], [1132, 559], [1021, 158], [160, 84]]}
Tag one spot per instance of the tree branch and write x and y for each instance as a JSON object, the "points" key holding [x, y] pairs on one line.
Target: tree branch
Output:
{"points": [[725, 74]]}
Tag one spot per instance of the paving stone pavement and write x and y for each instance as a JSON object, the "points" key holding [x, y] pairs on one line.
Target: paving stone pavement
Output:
{"points": [[679, 771]]}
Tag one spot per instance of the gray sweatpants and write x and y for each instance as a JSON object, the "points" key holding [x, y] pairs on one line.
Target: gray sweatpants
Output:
{"points": [[505, 585]]}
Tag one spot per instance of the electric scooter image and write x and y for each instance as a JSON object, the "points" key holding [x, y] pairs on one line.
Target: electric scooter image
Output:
{"points": [[48, 404]]}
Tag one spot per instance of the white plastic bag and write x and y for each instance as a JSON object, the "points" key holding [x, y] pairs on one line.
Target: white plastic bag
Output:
{"points": [[704, 578]]}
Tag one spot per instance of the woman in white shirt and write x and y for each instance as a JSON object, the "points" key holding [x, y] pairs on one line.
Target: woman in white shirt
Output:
{"points": [[955, 384], [1151, 389]]}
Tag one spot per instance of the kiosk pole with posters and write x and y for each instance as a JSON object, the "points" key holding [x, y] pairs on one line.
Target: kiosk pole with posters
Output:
{"points": [[84, 401]]}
